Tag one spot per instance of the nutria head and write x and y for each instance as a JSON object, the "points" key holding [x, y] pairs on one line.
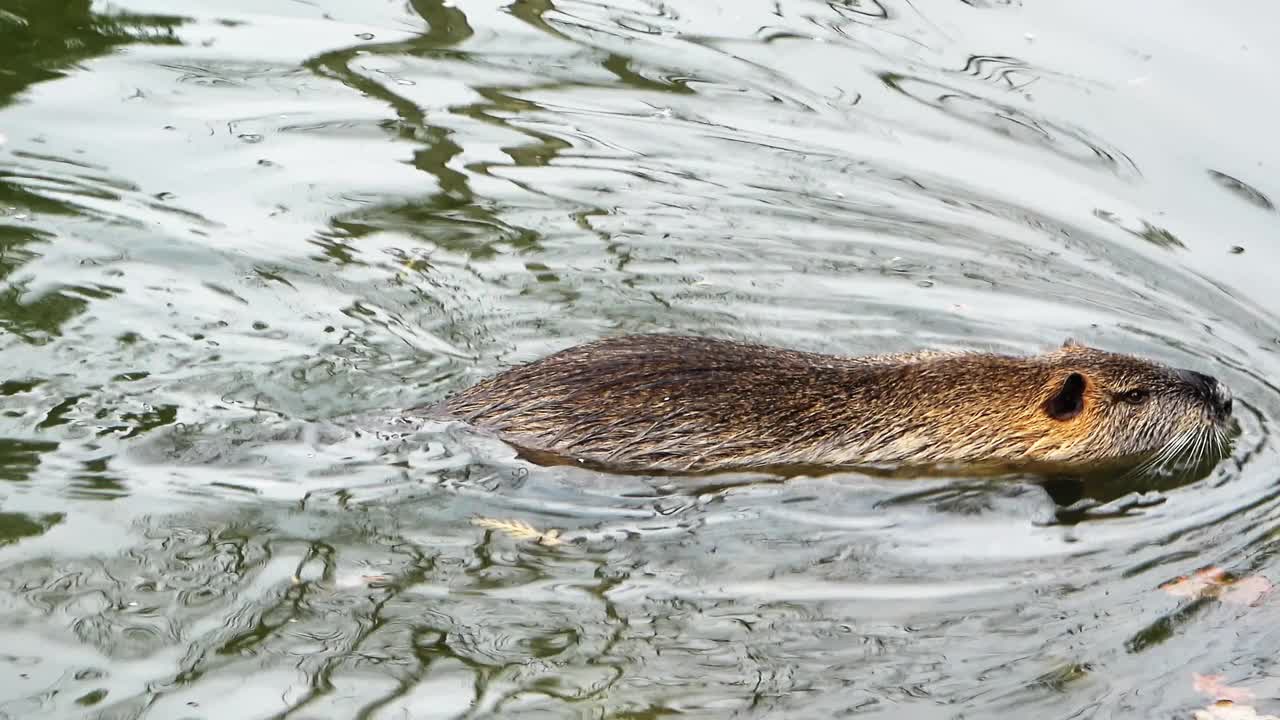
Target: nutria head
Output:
{"points": [[1098, 404]]}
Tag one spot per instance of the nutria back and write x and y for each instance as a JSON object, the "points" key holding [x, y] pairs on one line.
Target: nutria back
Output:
{"points": [[678, 403]]}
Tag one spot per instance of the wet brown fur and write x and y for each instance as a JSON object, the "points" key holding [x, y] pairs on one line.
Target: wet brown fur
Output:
{"points": [[676, 403]]}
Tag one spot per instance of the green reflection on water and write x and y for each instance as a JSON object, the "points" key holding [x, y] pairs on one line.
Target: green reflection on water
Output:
{"points": [[20, 458], [17, 526], [43, 39]]}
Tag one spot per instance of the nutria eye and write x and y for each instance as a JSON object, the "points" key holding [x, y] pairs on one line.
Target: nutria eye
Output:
{"points": [[1136, 396]]}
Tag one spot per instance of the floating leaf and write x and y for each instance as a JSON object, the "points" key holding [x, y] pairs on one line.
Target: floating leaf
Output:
{"points": [[1227, 710], [354, 581], [1213, 686], [1197, 584], [519, 530], [1214, 582], [1246, 591]]}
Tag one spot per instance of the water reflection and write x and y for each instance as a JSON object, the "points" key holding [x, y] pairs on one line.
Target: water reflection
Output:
{"points": [[17, 526], [234, 245], [45, 39]]}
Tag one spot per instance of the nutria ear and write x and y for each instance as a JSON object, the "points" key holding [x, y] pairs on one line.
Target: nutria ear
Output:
{"points": [[1071, 343], [1068, 401]]}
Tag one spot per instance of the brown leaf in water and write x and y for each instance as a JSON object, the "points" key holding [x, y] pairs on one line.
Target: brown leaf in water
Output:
{"points": [[1199, 583], [1227, 710], [1213, 582], [1246, 591], [1213, 686]]}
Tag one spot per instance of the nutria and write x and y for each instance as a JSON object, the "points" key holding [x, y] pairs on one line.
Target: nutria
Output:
{"points": [[689, 404]]}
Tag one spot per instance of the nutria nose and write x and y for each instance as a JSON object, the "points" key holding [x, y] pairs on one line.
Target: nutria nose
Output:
{"points": [[1214, 392], [1224, 398]]}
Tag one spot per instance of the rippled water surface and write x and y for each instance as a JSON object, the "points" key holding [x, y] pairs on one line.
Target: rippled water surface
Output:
{"points": [[237, 238]]}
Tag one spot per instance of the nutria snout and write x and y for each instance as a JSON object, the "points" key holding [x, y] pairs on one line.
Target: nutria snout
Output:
{"points": [[675, 403], [1216, 395]]}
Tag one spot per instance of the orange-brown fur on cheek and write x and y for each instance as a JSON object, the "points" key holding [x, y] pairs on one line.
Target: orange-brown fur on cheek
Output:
{"points": [[662, 402], [1061, 439]]}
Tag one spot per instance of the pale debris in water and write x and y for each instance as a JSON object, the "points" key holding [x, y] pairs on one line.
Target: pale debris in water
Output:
{"points": [[357, 581], [519, 530], [1247, 591], [347, 581], [1213, 686], [1227, 710], [1193, 586], [1214, 582]]}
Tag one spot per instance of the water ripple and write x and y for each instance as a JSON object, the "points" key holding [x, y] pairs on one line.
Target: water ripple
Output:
{"points": [[277, 227]]}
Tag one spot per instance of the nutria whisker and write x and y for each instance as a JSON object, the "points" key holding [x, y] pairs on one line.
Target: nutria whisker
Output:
{"points": [[1179, 446], [688, 404]]}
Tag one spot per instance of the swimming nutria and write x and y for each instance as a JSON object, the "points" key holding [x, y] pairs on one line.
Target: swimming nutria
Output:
{"points": [[674, 403]]}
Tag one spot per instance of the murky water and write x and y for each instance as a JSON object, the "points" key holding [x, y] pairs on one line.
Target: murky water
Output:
{"points": [[237, 237]]}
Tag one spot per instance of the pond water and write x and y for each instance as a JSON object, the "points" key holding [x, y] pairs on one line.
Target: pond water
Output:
{"points": [[237, 238]]}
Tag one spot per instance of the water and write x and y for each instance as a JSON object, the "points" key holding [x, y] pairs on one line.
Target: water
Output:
{"points": [[231, 233]]}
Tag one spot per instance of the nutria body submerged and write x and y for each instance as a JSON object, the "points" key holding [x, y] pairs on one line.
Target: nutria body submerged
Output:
{"points": [[674, 403]]}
